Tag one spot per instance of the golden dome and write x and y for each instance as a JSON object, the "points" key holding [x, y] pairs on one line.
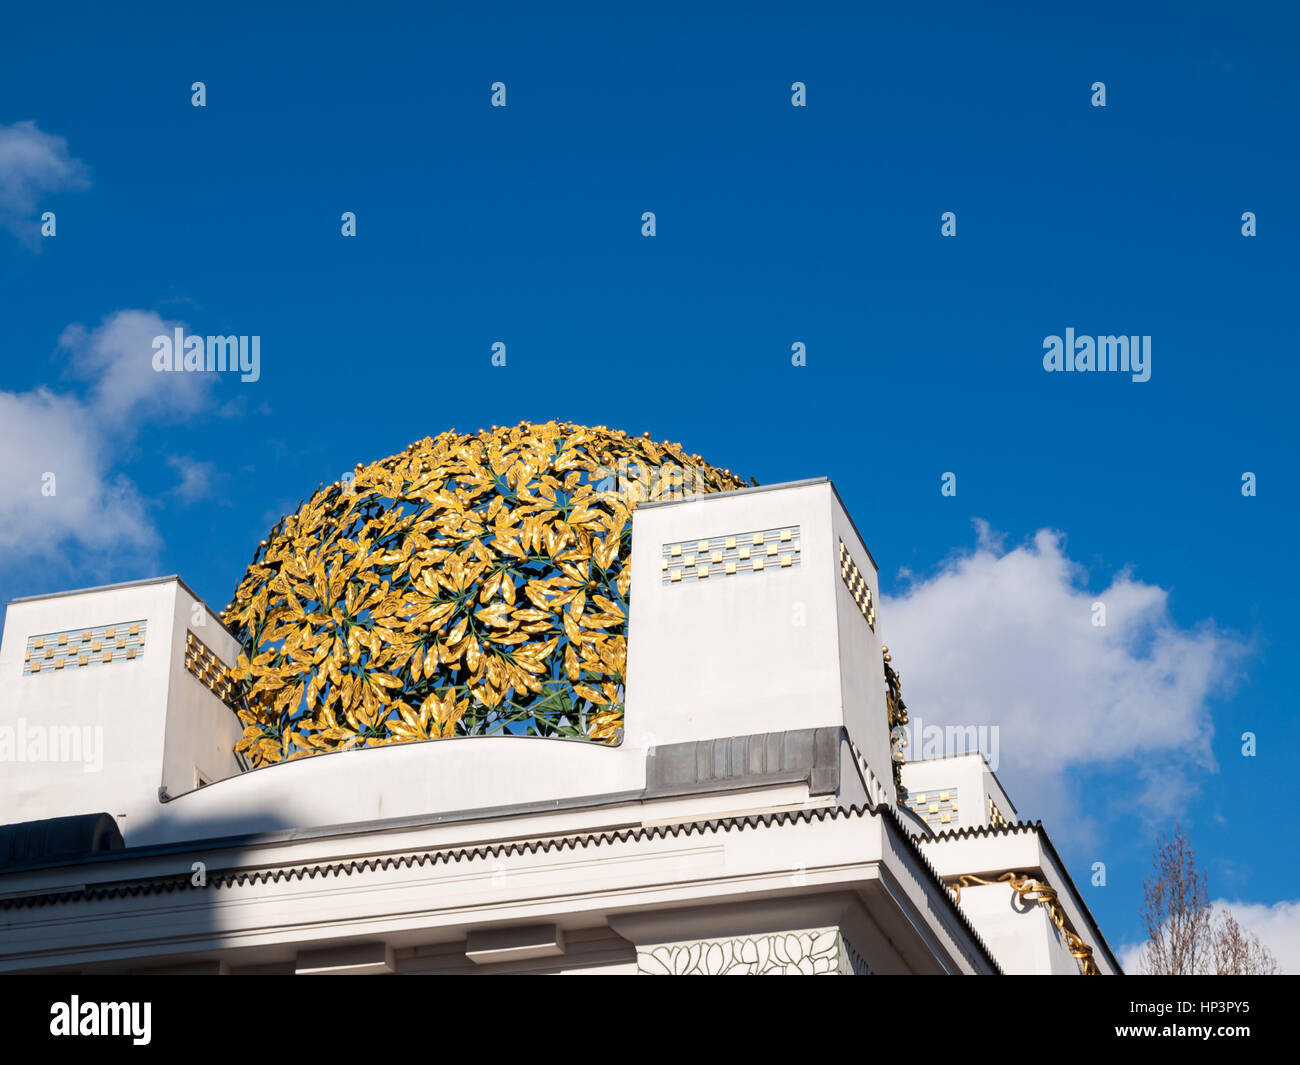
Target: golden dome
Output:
{"points": [[473, 584]]}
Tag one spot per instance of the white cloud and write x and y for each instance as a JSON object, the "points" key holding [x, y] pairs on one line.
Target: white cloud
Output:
{"points": [[32, 164], [1130, 958], [79, 437], [196, 478], [1277, 926], [42, 435], [116, 360], [1006, 637]]}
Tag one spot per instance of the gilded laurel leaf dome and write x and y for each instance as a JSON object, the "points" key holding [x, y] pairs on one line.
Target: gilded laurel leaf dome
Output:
{"points": [[474, 584]]}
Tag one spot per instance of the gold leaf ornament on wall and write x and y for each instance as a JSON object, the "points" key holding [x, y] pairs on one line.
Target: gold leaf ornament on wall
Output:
{"points": [[474, 584]]}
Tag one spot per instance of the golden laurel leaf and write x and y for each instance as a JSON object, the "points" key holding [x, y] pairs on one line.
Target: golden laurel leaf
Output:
{"points": [[481, 577]]}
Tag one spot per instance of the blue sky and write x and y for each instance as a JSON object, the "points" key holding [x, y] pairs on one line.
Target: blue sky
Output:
{"points": [[775, 224]]}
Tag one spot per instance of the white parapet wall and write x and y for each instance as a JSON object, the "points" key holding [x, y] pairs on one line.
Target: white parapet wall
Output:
{"points": [[945, 794], [754, 612], [744, 672], [98, 709]]}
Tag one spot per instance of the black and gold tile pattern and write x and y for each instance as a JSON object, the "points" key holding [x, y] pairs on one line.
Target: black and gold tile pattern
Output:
{"points": [[937, 808], [97, 645], [857, 585], [731, 556], [210, 670]]}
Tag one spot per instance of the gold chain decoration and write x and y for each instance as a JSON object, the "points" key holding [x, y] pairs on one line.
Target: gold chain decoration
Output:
{"points": [[897, 719], [1030, 892], [474, 584]]}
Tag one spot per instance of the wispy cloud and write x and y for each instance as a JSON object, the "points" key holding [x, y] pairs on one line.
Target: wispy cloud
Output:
{"points": [[33, 164], [197, 478], [115, 363]]}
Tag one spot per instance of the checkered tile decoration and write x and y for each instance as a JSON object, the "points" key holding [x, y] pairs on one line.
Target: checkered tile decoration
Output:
{"points": [[730, 556], [996, 820], [77, 648], [857, 586], [935, 807], [210, 670]]}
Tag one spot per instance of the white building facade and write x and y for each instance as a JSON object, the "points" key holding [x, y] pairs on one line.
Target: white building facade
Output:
{"points": [[748, 821]]}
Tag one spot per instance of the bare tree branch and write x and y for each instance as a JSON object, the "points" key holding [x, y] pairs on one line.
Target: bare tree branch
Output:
{"points": [[1185, 935], [1175, 910]]}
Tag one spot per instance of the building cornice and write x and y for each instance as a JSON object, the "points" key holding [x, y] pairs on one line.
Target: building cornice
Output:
{"points": [[971, 831], [443, 855], [1035, 828], [270, 874]]}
